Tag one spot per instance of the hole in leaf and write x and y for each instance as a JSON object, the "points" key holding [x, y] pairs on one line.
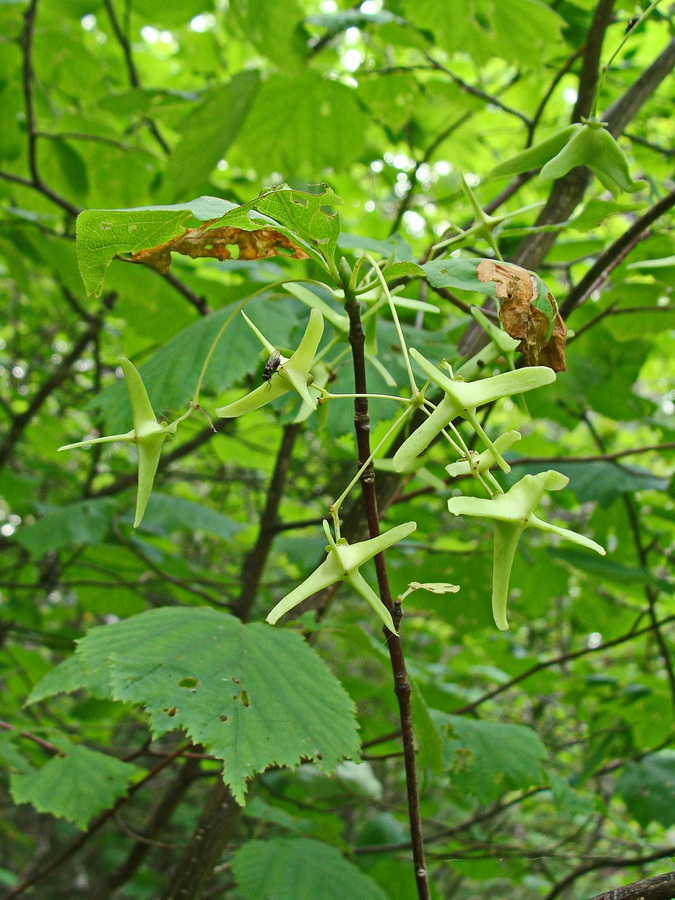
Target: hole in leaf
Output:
{"points": [[188, 683], [171, 712], [223, 717]]}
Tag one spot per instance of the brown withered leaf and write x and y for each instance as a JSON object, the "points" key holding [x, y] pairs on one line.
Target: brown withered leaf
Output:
{"points": [[522, 315], [218, 243]]}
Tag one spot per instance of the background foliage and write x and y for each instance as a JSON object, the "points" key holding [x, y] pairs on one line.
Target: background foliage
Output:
{"points": [[546, 753]]}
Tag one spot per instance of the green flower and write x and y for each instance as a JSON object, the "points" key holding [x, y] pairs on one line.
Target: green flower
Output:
{"points": [[342, 564], [593, 146], [147, 434], [482, 462], [461, 399], [292, 373], [582, 144], [513, 513]]}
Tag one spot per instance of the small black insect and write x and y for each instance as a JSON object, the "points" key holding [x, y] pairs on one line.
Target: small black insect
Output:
{"points": [[271, 365]]}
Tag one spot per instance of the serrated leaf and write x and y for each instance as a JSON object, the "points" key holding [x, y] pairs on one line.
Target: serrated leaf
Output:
{"points": [[303, 869], [489, 758], [648, 788], [309, 219], [253, 696], [76, 786], [86, 522], [103, 234]]}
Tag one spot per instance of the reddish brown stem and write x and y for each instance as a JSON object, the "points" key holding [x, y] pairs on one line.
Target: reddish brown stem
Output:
{"points": [[402, 686]]}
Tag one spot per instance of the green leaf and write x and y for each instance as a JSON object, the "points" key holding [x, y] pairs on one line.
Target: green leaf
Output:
{"points": [[427, 737], [303, 869], [103, 234], [515, 30], [252, 695], [648, 788], [489, 758], [76, 786], [274, 29], [86, 522], [609, 569], [317, 123], [459, 274], [170, 513], [307, 218], [403, 269], [207, 132], [72, 167]]}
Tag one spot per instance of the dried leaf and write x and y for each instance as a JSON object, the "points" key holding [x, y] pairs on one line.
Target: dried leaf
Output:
{"points": [[219, 243], [528, 312]]}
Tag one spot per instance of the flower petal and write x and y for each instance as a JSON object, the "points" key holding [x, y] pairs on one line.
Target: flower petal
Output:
{"points": [[354, 555], [149, 450], [359, 584], [507, 536], [143, 415], [328, 572], [128, 436], [485, 460]]}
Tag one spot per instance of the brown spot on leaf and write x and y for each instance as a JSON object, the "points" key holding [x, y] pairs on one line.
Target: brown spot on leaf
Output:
{"points": [[526, 313], [219, 243]]}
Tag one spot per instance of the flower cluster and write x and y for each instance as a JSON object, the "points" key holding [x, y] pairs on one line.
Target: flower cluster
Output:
{"points": [[512, 512]]}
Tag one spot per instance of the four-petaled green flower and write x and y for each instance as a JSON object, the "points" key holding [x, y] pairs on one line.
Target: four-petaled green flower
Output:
{"points": [[342, 564], [512, 513], [147, 434], [461, 399], [292, 373]]}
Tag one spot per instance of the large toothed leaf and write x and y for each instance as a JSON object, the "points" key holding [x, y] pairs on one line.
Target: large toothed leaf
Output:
{"points": [[278, 222], [103, 234], [75, 786], [252, 695]]}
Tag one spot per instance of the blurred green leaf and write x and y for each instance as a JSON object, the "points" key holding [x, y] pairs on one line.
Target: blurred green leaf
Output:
{"points": [[302, 869], [75, 786]]}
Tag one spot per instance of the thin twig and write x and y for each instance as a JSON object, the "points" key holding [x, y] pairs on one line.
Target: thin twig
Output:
{"points": [[134, 80], [607, 862], [614, 254], [31, 128], [660, 887], [58, 376], [559, 660]]}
